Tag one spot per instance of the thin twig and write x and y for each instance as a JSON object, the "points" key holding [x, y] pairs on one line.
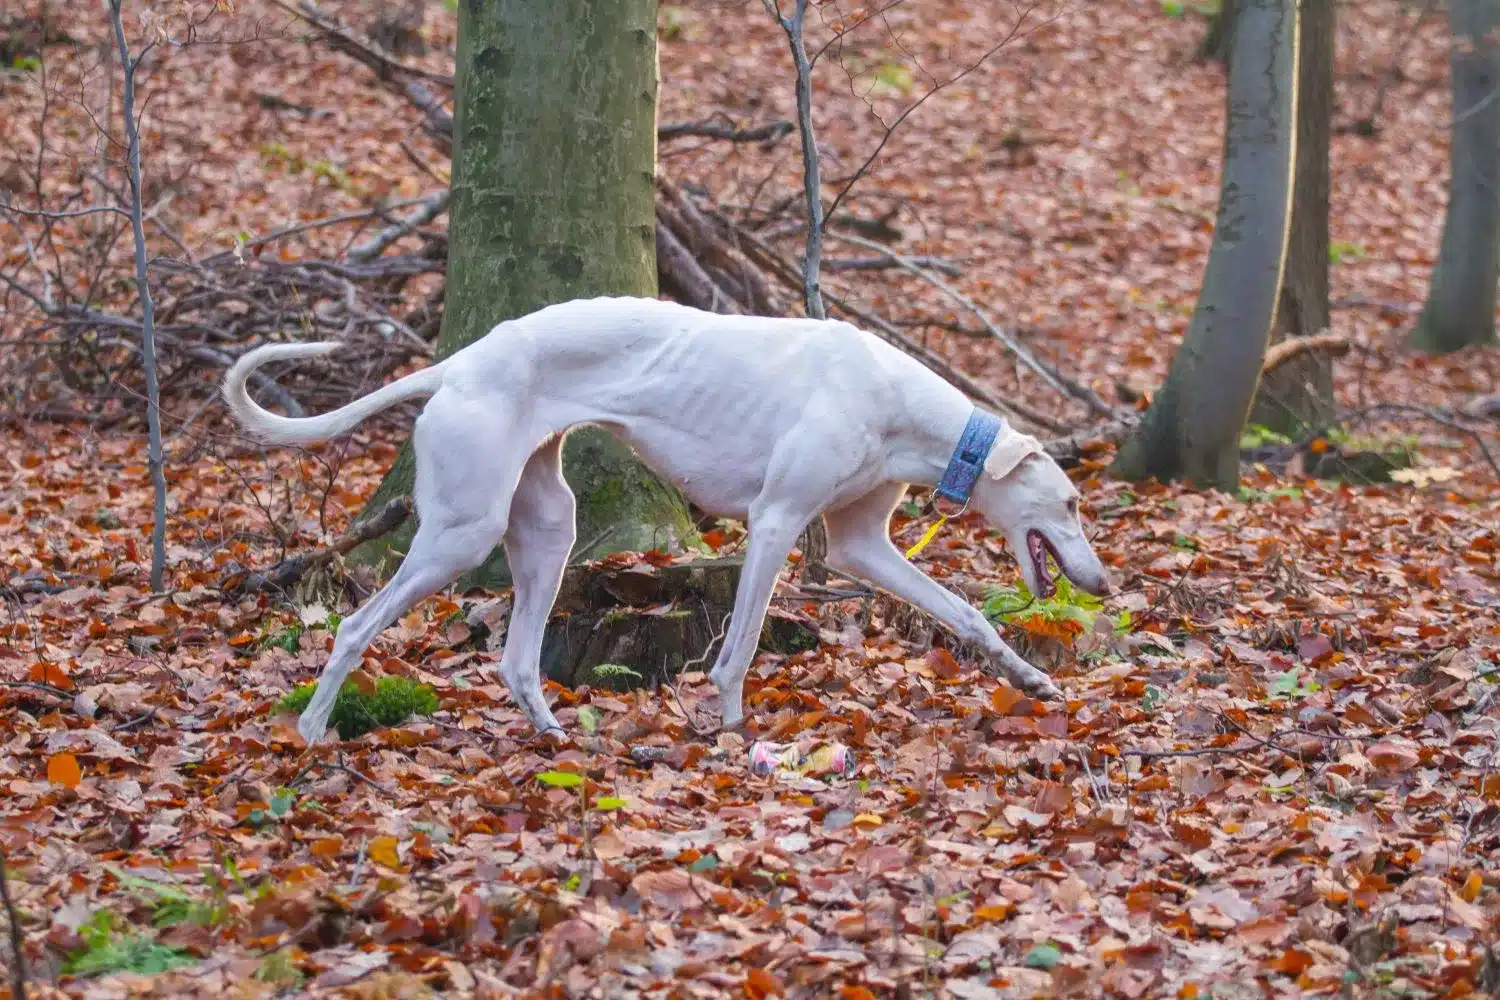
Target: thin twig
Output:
{"points": [[769, 132], [341, 39], [1087, 396], [329, 765], [17, 944], [947, 267], [692, 664], [37, 213]]}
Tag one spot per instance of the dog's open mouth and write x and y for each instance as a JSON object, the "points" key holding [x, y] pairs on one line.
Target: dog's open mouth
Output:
{"points": [[1037, 549]]}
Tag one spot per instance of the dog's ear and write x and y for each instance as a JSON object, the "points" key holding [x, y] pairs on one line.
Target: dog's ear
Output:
{"points": [[1011, 448]]}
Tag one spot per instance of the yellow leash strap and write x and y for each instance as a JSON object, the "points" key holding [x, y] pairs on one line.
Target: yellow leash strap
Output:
{"points": [[929, 536]]}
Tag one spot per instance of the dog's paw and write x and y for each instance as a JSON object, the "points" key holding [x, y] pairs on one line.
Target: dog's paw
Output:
{"points": [[1045, 690]]}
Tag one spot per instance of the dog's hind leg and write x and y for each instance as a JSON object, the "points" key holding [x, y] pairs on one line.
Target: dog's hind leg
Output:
{"points": [[463, 500], [537, 545], [859, 543]]}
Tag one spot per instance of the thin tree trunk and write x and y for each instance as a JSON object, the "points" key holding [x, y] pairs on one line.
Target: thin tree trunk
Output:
{"points": [[553, 167], [148, 324], [1460, 308], [1193, 428], [1298, 396]]}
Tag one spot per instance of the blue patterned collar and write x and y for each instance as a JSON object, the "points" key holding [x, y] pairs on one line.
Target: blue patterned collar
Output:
{"points": [[968, 458]]}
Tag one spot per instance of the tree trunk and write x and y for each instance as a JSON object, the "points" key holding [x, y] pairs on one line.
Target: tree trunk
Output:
{"points": [[1297, 397], [1216, 38], [1193, 428], [553, 166], [1460, 307]]}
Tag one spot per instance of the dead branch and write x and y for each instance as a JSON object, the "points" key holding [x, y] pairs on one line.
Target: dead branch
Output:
{"points": [[431, 206], [1071, 448], [344, 41], [1386, 305], [288, 572], [1075, 391], [716, 241], [17, 945], [884, 261], [1278, 354], [1482, 407], [769, 132], [784, 270], [684, 278]]}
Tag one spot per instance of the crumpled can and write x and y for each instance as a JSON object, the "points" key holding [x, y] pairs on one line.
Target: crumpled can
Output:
{"points": [[789, 760]]}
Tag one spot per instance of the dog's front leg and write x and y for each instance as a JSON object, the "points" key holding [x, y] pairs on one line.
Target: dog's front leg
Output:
{"points": [[772, 535], [859, 545]]}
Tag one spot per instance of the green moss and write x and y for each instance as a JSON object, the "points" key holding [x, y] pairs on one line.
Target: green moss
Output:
{"points": [[355, 713]]}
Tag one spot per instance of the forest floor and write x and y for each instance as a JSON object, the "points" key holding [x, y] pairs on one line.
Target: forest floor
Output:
{"points": [[1278, 770]]}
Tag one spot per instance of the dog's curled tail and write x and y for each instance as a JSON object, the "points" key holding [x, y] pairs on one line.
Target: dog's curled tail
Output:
{"points": [[276, 429]]}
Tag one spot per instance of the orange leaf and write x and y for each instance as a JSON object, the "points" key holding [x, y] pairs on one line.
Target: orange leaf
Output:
{"points": [[63, 769], [760, 984], [994, 913], [49, 673], [855, 993], [943, 665], [1472, 885], [1005, 698], [363, 682], [1292, 961], [327, 847], [382, 851]]}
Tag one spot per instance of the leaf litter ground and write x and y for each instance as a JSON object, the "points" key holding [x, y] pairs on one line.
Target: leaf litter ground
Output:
{"points": [[1281, 779]]}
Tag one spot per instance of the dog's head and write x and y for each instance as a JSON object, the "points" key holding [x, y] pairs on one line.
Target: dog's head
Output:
{"points": [[1027, 495]]}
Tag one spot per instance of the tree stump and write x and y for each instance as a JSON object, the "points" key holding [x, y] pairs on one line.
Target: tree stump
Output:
{"points": [[649, 620]]}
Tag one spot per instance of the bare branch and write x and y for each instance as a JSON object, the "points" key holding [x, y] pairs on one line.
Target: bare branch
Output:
{"points": [[1081, 393], [37, 213], [148, 329], [812, 185], [864, 168], [384, 66], [1279, 354], [430, 208], [17, 947], [769, 132], [947, 267]]}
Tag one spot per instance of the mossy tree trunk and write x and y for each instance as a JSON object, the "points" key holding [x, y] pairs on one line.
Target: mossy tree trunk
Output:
{"points": [[1192, 429], [554, 159], [1460, 308], [1297, 397], [1216, 38]]}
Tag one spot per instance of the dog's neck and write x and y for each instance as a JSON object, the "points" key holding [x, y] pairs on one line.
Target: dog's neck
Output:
{"points": [[920, 448]]}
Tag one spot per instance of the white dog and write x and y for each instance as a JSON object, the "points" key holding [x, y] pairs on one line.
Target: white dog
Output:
{"points": [[774, 420]]}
